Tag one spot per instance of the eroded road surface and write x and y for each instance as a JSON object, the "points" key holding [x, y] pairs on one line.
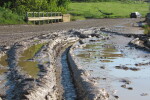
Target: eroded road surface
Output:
{"points": [[99, 59]]}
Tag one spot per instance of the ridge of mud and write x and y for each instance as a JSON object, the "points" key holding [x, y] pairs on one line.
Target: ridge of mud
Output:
{"points": [[141, 41], [48, 84], [86, 89]]}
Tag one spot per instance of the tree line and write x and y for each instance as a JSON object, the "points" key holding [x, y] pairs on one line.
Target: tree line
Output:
{"points": [[22, 6]]}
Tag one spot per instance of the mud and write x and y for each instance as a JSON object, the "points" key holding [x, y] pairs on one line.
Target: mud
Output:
{"points": [[118, 62], [36, 63]]}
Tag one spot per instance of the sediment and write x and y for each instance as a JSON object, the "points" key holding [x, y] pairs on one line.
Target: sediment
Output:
{"points": [[47, 85]]}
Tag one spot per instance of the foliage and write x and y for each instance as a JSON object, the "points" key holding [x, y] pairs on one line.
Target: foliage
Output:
{"points": [[22, 6], [8, 17], [119, 9], [106, 0]]}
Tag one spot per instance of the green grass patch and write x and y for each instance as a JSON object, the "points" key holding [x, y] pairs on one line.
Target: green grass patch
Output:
{"points": [[119, 9], [146, 29], [8, 17]]}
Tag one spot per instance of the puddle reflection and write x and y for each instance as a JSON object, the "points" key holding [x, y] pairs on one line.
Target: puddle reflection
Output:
{"points": [[105, 54]]}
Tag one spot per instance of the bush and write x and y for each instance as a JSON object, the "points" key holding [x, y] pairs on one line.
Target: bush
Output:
{"points": [[8, 17]]}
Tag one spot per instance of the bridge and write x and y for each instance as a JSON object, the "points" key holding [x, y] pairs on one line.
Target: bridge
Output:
{"points": [[47, 17]]}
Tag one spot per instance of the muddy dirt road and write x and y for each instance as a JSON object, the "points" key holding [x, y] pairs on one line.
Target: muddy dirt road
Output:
{"points": [[10, 34], [94, 59]]}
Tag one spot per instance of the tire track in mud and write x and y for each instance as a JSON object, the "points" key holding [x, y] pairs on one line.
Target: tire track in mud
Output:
{"points": [[52, 82], [48, 84], [67, 80]]}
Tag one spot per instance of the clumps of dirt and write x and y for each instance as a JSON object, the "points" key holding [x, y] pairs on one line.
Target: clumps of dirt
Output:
{"points": [[144, 94], [86, 84], [127, 68], [142, 64], [142, 42], [126, 83]]}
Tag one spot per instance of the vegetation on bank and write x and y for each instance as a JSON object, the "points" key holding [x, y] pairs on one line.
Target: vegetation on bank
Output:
{"points": [[13, 11], [85, 10], [146, 29], [8, 17]]}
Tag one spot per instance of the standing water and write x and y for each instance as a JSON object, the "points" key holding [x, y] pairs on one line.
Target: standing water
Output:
{"points": [[69, 89], [124, 73]]}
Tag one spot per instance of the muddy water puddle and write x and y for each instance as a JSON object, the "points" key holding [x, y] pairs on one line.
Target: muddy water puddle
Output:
{"points": [[3, 70], [3, 64], [114, 71], [27, 64], [67, 82]]}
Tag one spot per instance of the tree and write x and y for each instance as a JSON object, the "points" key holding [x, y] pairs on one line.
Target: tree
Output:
{"points": [[22, 6]]}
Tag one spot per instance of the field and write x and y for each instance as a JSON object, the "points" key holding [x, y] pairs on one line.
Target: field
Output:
{"points": [[119, 9]]}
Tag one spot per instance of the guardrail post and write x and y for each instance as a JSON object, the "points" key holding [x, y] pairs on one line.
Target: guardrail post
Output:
{"points": [[33, 15], [39, 16], [43, 16], [27, 17], [55, 19], [51, 16], [47, 16]]}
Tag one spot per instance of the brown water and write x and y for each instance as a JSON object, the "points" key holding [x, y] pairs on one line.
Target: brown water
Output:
{"points": [[102, 62], [30, 66], [4, 63]]}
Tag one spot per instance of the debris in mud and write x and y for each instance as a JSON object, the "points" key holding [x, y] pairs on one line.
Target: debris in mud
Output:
{"points": [[126, 81], [117, 97], [142, 64], [130, 88], [124, 86], [102, 67], [127, 68], [144, 94], [134, 69]]}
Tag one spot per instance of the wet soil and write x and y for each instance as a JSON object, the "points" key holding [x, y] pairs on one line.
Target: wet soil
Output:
{"points": [[10, 34], [111, 64], [34, 63]]}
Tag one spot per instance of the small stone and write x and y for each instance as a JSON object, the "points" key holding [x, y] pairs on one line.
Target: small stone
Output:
{"points": [[134, 69], [102, 67], [118, 67], [124, 86], [104, 78], [130, 88], [126, 81], [117, 97], [125, 68]]}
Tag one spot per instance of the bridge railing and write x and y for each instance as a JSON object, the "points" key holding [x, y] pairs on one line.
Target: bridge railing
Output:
{"points": [[47, 17]]}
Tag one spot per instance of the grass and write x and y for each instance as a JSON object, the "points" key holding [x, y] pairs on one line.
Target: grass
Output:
{"points": [[146, 29], [120, 10], [8, 17]]}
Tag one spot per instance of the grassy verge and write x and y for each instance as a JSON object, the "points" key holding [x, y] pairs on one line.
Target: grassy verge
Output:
{"points": [[8, 17], [120, 10], [146, 29]]}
